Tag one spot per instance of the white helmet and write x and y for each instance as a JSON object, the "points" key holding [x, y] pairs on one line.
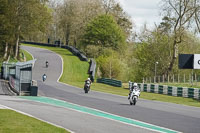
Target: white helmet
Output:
{"points": [[135, 84], [88, 78]]}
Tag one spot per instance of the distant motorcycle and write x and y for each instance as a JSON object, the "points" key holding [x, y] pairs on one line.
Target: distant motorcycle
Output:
{"points": [[134, 96], [87, 86], [44, 77], [47, 64]]}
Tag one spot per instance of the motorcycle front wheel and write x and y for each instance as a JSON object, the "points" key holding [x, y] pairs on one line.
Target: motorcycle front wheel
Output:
{"points": [[134, 101]]}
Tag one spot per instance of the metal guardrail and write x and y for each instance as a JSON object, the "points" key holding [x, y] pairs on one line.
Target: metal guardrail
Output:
{"points": [[92, 69], [111, 82], [74, 50], [171, 90], [41, 44]]}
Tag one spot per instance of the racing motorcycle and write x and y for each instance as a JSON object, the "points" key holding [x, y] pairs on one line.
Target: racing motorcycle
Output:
{"points": [[87, 86], [47, 64], [134, 96]]}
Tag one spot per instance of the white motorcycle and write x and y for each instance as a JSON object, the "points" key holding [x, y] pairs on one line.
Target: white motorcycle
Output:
{"points": [[134, 96]]}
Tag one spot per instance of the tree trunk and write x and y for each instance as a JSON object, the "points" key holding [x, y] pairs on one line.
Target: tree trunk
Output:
{"points": [[17, 44], [175, 51], [6, 51], [67, 34], [10, 51], [110, 73], [75, 43], [172, 61]]}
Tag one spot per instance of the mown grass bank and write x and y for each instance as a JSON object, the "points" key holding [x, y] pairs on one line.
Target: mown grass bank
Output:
{"points": [[75, 72], [13, 122], [27, 55]]}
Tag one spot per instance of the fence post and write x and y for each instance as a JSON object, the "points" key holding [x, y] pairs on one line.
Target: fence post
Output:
{"points": [[196, 78], [168, 78], [150, 79], [143, 80], [189, 78], [178, 78], [163, 78], [184, 78], [192, 76], [173, 78]]}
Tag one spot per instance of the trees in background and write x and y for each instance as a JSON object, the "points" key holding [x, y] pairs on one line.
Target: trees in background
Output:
{"points": [[183, 15], [31, 20], [18, 19], [158, 46], [102, 30], [83, 24], [73, 16], [95, 27], [175, 34], [105, 36]]}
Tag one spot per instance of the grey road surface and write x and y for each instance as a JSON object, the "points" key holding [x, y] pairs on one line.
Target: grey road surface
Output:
{"points": [[173, 116], [69, 119]]}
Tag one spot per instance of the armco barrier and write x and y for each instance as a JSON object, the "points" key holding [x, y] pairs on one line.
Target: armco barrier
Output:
{"points": [[92, 69], [172, 91], [74, 50], [111, 82], [41, 44]]}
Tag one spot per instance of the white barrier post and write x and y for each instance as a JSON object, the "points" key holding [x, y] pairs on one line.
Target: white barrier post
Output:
{"points": [[174, 91]]}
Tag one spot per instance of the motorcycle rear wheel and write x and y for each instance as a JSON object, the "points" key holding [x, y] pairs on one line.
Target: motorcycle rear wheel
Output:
{"points": [[86, 90]]}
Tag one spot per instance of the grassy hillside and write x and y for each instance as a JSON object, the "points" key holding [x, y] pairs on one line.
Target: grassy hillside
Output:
{"points": [[27, 55]]}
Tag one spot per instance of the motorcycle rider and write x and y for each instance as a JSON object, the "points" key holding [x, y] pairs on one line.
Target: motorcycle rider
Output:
{"points": [[44, 77], [47, 64], [135, 86], [88, 81]]}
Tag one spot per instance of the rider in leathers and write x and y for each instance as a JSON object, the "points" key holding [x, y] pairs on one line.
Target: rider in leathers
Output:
{"points": [[88, 80], [135, 86]]}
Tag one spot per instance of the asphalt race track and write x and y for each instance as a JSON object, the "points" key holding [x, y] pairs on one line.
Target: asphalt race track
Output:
{"points": [[171, 116]]}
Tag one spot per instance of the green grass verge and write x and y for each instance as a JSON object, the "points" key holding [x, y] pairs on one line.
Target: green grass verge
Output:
{"points": [[13, 122], [189, 85], [27, 55], [12, 59], [75, 72]]}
